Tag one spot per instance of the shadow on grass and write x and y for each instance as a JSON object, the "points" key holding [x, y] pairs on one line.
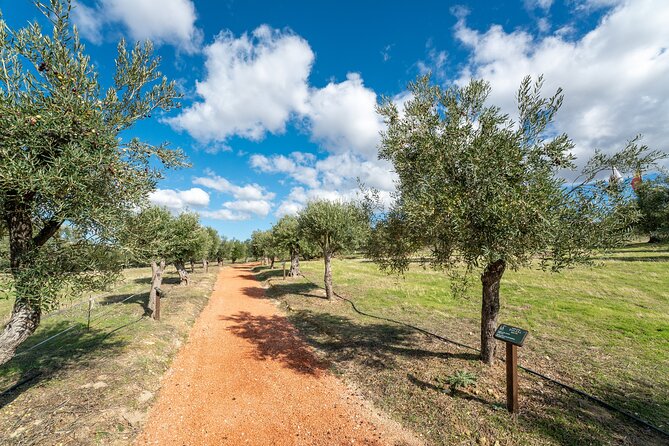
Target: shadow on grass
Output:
{"points": [[167, 280], [664, 258], [376, 344], [72, 349], [275, 339], [141, 299], [263, 273]]}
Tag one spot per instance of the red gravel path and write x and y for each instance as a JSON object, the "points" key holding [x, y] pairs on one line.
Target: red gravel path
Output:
{"points": [[245, 378]]}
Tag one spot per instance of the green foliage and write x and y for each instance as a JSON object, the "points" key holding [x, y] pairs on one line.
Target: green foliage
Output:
{"points": [[476, 187], [214, 243], [459, 380], [285, 233], [263, 245], [238, 250], [62, 160], [653, 202], [333, 226], [188, 239]]}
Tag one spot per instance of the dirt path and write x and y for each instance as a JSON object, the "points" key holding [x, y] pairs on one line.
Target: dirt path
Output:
{"points": [[244, 377]]}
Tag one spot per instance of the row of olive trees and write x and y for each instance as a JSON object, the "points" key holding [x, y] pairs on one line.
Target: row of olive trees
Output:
{"points": [[322, 228], [153, 236]]}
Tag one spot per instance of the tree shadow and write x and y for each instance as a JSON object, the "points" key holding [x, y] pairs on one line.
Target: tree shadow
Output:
{"points": [[263, 273], [275, 338], [141, 299], [664, 258], [74, 348], [457, 394], [569, 419], [378, 345], [167, 280], [304, 289]]}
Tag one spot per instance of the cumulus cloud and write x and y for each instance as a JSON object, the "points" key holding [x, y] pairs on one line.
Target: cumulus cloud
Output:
{"points": [[254, 84], [247, 192], [614, 77], [296, 165], [343, 116], [165, 22], [179, 200]]}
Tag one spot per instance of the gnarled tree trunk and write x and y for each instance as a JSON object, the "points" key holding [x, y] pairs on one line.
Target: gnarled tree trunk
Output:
{"points": [[490, 280], [205, 265], [26, 313], [272, 260], [327, 277], [156, 281], [294, 263], [183, 274], [192, 266]]}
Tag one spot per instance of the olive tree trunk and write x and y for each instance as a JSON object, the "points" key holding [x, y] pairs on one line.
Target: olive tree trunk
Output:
{"points": [[183, 274], [192, 266], [156, 281], [327, 277], [26, 312], [272, 260], [205, 265], [490, 280], [294, 263]]}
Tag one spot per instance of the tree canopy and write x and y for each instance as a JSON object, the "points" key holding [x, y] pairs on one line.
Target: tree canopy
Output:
{"points": [[63, 159], [333, 226], [481, 190]]}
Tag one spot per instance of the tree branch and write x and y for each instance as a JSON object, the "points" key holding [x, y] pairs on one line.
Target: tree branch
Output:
{"points": [[47, 232]]}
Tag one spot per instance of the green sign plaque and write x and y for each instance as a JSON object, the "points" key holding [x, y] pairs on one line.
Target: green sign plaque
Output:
{"points": [[514, 335]]}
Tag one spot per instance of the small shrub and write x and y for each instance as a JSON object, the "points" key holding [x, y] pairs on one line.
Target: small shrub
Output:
{"points": [[460, 379]]}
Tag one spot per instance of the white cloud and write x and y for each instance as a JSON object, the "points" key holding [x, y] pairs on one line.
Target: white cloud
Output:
{"points": [[435, 63], [343, 117], [164, 22], [225, 214], [296, 166], [257, 207], [247, 192], [535, 4], [89, 22], [614, 77], [254, 84], [178, 200]]}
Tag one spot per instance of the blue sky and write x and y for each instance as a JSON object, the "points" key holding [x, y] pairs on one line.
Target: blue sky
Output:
{"points": [[279, 96]]}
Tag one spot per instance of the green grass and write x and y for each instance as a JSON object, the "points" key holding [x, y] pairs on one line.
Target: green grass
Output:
{"points": [[603, 329]]}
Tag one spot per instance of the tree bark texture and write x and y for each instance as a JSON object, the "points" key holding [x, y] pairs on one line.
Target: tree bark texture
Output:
{"points": [[156, 281], [490, 280], [183, 274], [27, 312], [192, 266], [294, 263], [205, 265], [272, 260], [328, 274]]}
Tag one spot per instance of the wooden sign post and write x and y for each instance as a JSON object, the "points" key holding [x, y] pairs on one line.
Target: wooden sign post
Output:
{"points": [[514, 337]]}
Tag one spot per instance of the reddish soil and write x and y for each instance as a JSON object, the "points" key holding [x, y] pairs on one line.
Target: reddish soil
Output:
{"points": [[245, 377]]}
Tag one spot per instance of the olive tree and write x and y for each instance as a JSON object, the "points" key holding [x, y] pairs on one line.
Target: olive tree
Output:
{"points": [[478, 189], [188, 240], [333, 226], [223, 251], [62, 159], [213, 246], [287, 239], [653, 201], [237, 250], [148, 238]]}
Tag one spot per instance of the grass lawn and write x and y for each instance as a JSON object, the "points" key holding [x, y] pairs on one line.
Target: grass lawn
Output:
{"points": [[95, 386], [603, 329]]}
